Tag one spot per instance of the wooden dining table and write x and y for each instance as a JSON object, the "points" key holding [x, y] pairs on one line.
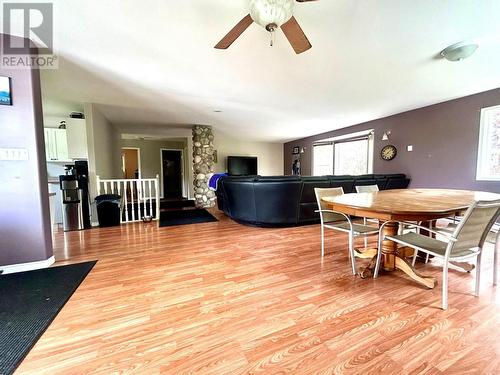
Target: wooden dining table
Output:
{"points": [[412, 205]]}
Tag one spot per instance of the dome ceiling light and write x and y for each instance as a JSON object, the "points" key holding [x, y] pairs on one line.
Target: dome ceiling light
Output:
{"points": [[271, 15], [459, 51]]}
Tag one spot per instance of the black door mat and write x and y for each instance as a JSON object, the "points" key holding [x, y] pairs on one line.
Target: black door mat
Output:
{"points": [[183, 217], [178, 203], [29, 303]]}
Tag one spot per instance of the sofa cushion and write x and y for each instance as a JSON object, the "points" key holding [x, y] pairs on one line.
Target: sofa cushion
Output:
{"points": [[307, 213], [239, 178], [277, 178], [381, 182], [397, 183], [309, 183], [365, 177], [340, 177], [395, 175], [277, 202], [346, 185], [240, 200]]}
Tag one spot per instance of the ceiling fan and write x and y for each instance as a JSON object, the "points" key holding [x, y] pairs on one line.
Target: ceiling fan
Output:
{"points": [[271, 14]]}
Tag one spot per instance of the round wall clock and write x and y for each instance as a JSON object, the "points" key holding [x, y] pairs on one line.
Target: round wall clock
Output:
{"points": [[389, 152]]}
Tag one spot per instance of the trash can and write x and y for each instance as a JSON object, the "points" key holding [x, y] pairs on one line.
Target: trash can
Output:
{"points": [[108, 209]]}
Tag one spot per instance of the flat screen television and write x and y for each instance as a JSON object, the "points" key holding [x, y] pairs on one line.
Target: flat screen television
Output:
{"points": [[241, 165]]}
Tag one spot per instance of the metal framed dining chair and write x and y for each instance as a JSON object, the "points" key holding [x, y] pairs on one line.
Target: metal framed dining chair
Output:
{"points": [[449, 229], [466, 242], [453, 222], [338, 221]]}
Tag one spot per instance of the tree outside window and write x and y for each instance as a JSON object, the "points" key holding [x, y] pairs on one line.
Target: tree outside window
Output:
{"points": [[488, 163]]}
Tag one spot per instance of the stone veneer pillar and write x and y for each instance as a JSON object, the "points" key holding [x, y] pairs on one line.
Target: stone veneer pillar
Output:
{"points": [[203, 165]]}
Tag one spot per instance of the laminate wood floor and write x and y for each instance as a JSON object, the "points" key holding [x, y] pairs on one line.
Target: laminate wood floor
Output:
{"points": [[222, 298]]}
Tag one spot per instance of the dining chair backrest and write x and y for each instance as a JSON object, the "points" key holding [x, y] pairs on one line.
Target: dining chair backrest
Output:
{"points": [[475, 225], [328, 192], [367, 188]]}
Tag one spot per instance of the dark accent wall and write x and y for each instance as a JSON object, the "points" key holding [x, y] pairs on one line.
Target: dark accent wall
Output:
{"points": [[445, 140], [25, 232]]}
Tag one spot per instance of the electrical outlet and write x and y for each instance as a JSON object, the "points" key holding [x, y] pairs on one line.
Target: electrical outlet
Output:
{"points": [[14, 154]]}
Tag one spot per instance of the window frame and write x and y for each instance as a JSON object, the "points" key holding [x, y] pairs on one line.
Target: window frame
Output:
{"points": [[364, 135], [482, 144]]}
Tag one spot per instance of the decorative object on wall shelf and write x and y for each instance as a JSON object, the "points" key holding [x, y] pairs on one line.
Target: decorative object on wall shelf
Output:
{"points": [[389, 152], [296, 150], [385, 136], [5, 91], [296, 165]]}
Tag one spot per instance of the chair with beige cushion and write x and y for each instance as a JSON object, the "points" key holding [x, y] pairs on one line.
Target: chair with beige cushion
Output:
{"points": [[340, 222], [367, 189], [465, 243], [449, 225]]}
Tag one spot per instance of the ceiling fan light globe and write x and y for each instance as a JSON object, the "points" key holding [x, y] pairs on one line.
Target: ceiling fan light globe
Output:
{"points": [[459, 51], [266, 12]]}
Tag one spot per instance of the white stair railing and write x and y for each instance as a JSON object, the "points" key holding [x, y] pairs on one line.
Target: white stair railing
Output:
{"points": [[137, 196]]}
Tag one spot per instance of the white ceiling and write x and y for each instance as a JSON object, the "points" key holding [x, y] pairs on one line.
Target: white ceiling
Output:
{"points": [[152, 63]]}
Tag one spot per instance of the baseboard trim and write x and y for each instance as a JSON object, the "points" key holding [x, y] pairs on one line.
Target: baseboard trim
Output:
{"points": [[22, 267]]}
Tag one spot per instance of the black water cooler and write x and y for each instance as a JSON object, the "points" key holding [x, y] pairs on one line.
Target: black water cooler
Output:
{"points": [[82, 173], [75, 196]]}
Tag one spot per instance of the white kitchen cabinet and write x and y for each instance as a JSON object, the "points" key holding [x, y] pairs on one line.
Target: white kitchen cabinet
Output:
{"points": [[76, 133], [56, 144]]}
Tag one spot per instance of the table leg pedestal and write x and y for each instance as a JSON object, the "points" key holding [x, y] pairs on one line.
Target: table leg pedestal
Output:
{"points": [[403, 265], [393, 258]]}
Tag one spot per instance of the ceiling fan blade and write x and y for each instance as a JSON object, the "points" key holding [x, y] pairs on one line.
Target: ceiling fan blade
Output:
{"points": [[296, 36], [235, 33]]}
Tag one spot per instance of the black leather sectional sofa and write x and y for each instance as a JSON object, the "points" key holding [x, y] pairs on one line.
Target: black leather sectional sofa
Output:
{"points": [[276, 201]]}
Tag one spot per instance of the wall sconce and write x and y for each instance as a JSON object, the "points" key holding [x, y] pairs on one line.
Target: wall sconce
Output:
{"points": [[303, 150], [385, 136]]}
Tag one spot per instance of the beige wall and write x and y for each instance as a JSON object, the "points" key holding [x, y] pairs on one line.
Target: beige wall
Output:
{"points": [[150, 154], [103, 142], [269, 155]]}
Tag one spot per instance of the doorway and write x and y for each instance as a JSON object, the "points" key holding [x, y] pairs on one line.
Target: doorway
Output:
{"points": [[172, 173], [131, 163]]}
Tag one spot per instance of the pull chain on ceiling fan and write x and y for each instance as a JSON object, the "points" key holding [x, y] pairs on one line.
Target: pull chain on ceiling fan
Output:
{"points": [[271, 15]]}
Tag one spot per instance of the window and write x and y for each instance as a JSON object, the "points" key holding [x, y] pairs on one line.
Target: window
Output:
{"points": [[488, 161], [323, 160], [351, 157], [350, 154]]}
